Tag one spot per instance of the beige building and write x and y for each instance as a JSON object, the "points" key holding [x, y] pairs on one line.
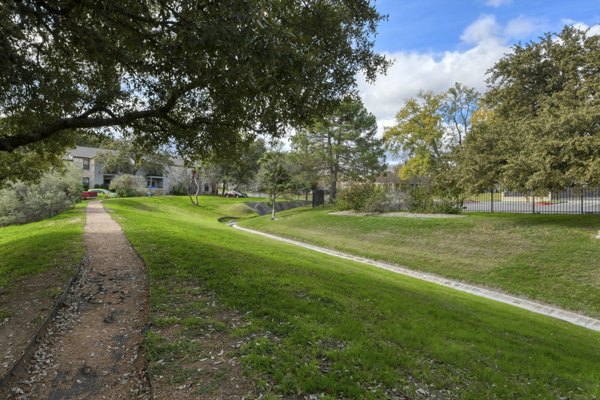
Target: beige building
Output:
{"points": [[94, 174]]}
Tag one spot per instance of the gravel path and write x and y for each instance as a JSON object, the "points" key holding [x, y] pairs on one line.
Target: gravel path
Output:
{"points": [[574, 318], [93, 347], [394, 214]]}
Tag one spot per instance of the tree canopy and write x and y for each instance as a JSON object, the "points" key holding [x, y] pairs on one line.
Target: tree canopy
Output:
{"points": [[540, 127], [189, 74], [430, 130], [342, 146]]}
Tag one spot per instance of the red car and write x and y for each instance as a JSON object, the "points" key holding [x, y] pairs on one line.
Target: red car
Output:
{"points": [[88, 195]]}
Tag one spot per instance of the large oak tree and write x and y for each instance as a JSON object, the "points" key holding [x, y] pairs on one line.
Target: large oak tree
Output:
{"points": [[193, 74], [540, 127]]}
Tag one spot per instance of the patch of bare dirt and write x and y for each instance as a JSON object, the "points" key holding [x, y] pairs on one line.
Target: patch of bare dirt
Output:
{"points": [[93, 348], [23, 309], [399, 214]]}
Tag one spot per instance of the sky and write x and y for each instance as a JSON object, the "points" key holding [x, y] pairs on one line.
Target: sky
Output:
{"points": [[434, 43]]}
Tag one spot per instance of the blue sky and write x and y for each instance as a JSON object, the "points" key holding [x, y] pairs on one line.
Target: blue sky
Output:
{"points": [[437, 25], [435, 43]]}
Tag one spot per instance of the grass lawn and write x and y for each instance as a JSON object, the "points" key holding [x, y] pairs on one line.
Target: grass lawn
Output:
{"points": [[551, 258], [310, 324], [39, 246]]}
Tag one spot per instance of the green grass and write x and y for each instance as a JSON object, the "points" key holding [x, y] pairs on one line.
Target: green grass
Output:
{"points": [[39, 246], [552, 258], [319, 325]]}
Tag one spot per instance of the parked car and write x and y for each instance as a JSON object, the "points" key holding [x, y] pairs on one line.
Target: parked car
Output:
{"points": [[88, 195], [234, 193], [106, 193]]}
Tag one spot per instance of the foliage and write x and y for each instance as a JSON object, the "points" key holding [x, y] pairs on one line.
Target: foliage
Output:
{"points": [[459, 105], [430, 131], [56, 192], [418, 134], [123, 157], [307, 318], [275, 175], [128, 185], [419, 199], [179, 180], [434, 199], [353, 197], [539, 131], [191, 74], [342, 146]]}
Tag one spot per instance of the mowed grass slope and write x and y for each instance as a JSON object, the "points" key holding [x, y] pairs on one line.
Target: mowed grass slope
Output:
{"points": [[551, 258], [39, 246], [337, 329]]}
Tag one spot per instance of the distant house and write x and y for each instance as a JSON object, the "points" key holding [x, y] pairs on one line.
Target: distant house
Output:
{"points": [[95, 175]]}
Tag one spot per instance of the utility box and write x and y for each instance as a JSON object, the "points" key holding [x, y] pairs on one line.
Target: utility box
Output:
{"points": [[318, 198]]}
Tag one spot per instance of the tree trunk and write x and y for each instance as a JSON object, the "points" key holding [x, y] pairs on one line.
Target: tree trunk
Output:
{"points": [[194, 182], [273, 208], [224, 188], [333, 186]]}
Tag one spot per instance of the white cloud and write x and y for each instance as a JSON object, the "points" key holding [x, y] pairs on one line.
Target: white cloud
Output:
{"points": [[483, 29], [523, 27], [497, 3], [413, 71], [416, 71], [593, 30]]}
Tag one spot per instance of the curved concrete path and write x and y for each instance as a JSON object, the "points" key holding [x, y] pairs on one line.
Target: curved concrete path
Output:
{"points": [[573, 318]]}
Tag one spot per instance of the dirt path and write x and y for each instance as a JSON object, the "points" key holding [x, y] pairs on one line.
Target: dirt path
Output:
{"points": [[544, 309], [92, 349]]}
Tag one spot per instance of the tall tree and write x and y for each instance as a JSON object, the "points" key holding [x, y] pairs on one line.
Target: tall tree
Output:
{"points": [[430, 131], [459, 104], [342, 146], [418, 135], [195, 74], [541, 131]]}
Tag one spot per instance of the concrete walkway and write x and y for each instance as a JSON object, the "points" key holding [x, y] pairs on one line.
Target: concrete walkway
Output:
{"points": [[573, 318]]}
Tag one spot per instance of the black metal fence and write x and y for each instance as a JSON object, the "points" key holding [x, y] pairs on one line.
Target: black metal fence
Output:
{"points": [[570, 201]]}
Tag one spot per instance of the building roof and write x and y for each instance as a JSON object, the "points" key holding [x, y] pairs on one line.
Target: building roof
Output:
{"points": [[91, 152], [86, 152]]}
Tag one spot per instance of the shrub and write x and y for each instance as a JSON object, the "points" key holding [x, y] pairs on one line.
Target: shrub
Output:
{"points": [[419, 199], [56, 192], [354, 197], [423, 199], [129, 185], [179, 181]]}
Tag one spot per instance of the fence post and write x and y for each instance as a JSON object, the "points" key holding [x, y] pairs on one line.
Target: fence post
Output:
{"points": [[533, 203], [492, 200]]}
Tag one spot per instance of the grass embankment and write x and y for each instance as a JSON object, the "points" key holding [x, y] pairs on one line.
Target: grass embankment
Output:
{"points": [[40, 246], [552, 258], [314, 324]]}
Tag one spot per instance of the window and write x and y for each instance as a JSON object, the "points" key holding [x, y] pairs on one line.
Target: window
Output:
{"points": [[86, 183], [154, 182], [86, 163]]}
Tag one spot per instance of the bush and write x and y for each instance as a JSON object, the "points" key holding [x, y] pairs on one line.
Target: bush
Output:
{"points": [[56, 192], [354, 197], [419, 199], [179, 181], [423, 199], [129, 185]]}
